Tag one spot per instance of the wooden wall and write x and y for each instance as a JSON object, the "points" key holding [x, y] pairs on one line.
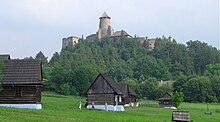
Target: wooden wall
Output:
{"points": [[100, 86], [100, 99], [20, 95]]}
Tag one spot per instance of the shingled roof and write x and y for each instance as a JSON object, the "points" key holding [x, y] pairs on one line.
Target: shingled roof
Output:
{"points": [[119, 88], [111, 83], [166, 96], [22, 71], [179, 116]]}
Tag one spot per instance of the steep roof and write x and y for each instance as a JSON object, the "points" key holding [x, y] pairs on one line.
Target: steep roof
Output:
{"points": [[5, 57], [22, 71], [131, 91], [119, 88], [166, 96], [104, 15], [112, 84]]}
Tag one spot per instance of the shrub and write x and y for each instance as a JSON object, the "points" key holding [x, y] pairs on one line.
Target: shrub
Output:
{"points": [[217, 110]]}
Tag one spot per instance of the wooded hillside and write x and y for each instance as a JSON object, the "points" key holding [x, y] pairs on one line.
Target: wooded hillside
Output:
{"points": [[194, 67]]}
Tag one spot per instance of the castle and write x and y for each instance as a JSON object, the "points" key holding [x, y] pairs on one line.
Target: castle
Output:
{"points": [[105, 30]]}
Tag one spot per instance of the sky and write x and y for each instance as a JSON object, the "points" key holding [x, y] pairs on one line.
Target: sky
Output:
{"points": [[30, 26]]}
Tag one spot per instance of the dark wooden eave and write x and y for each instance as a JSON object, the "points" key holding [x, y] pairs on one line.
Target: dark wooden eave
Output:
{"points": [[5, 57]]}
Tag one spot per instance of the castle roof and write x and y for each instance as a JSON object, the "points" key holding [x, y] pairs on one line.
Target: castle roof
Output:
{"points": [[104, 15], [120, 33]]}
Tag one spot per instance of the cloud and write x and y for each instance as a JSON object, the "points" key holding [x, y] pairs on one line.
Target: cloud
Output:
{"points": [[48, 21]]}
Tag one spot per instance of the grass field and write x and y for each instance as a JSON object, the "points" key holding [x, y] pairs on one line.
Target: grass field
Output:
{"points": [[65, 108]]}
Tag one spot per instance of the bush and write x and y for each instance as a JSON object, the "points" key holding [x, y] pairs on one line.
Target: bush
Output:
{"points": [[65, 89], [217, 110]]}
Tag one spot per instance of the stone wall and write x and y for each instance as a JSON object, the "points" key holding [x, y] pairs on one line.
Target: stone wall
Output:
{"points": [[73, 40]]}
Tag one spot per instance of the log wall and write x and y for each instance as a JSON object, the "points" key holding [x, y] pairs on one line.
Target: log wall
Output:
{"points": [[20, 95]]}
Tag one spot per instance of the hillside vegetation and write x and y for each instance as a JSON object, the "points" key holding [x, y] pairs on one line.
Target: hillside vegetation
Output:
{"points": [[194, 67], [58, 108]]}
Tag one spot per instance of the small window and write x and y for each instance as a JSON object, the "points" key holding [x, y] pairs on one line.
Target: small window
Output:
{"points": [[166, 103], [18, 92]]}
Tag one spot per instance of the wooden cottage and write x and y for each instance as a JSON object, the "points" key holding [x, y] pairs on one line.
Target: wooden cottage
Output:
{"points": [[166, 100], [104, 91], [21, 83], [180, 116]]}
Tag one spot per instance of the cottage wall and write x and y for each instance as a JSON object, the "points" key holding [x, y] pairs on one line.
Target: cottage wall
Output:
{"points": [[20, 95], [101, 99], [101, 92]]}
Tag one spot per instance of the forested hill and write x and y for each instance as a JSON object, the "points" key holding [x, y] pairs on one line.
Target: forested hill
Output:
{"points": [[126, 60]]}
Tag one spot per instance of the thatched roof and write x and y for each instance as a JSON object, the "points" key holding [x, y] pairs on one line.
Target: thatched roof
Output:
{"points": [[22, 71], [181, 116]]}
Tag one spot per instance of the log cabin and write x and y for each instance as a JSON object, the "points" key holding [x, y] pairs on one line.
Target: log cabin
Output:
{"points": [[166, 100], [22, 83], [106, 94]]}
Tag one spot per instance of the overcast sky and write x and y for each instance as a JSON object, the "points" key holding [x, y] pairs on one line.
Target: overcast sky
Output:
{"points": [[30, 26]]}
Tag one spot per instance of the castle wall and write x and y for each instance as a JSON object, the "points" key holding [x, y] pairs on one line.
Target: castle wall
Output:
{"points": [[91, 37], [151, 44], [73, 40]]}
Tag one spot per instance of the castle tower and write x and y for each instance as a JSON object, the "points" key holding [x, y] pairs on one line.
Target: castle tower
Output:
{"points": [[105, 28]]}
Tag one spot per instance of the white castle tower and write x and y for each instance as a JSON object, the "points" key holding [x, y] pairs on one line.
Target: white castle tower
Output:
{"points": [[105, 28]]}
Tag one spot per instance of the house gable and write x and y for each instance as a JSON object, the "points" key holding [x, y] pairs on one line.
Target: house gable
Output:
{"points": [[166, 95], [100, 86]]}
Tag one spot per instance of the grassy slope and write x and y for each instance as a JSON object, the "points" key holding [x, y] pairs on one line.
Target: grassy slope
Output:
{"points": [[61, 108]]}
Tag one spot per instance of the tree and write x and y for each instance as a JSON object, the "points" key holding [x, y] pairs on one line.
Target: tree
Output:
{"points": [[216, 86], [65, 89], [199, 89], [212, 70], [131, 82], [83, 77], [175, 56], [40, 56], [149, 88], [202, 55], [177, 98]]}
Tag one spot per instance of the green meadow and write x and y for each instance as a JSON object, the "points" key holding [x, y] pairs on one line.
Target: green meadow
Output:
{"points": [[66, 108]]}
